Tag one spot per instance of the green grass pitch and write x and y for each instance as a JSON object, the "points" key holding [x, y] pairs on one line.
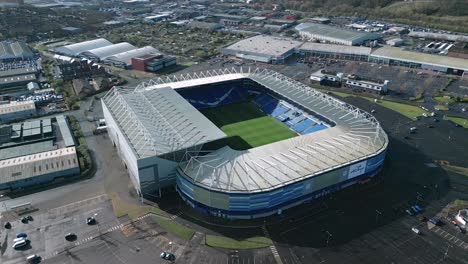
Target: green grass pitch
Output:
{"points": [[247, 126]]}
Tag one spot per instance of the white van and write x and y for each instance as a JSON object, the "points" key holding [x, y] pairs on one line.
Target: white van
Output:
{"points": [[18, 239]]}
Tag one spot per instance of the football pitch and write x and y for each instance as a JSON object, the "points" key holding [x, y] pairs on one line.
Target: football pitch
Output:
{"points": [[247, 126]]}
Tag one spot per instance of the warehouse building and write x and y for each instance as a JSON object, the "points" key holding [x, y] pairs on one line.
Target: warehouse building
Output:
{"points": [[14, 50], [102, 53], [331, 51], [124, 59], [399, 57], [438, 36], [152, 62], [262, 48], [74, 50], [330, 34], [17, 110], [35, 152], [38, 168]]}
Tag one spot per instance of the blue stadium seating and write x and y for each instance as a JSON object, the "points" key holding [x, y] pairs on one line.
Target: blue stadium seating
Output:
{"points": [[217, 95], [303, 125], [295, 120], [280, 109]]}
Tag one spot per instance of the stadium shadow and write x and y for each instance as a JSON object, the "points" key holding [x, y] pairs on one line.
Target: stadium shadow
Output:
{"points": [[235, 142]]}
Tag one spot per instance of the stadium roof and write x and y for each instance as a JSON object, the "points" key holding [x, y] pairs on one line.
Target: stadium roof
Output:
{"points": [[107, 51], [330, 31], [14, 49], [159, 121], [77, 48], [30, 166], [126, 57], [17, 107], [419, 57], [265, 45], [356, 136], [332, 48]]}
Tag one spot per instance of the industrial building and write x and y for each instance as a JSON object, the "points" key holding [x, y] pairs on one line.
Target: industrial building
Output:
{"points": [[262, 48], [124, 59], [69, 68], [164, 140], [327, 78], [366, 85], [15, 84], [330, 34], [73, 50], [17, 110], [152, 62], [438, 36], [400, 57], [38, 168], [332, 51], [459, 50], [102, 53], [35, 152], [15, 50]]}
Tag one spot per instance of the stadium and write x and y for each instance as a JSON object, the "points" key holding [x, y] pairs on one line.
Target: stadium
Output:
{"points": [[241, 143]]}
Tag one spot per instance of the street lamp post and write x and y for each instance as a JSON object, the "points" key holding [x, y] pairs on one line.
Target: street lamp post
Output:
{"points": [[329, 235], [377, 213]]}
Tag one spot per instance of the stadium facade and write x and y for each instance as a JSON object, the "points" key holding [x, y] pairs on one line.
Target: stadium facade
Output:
{"points": [[164, 140]]}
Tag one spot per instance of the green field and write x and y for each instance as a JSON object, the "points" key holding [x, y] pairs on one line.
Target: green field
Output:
{"points": [[458, 120], [247, 126]]}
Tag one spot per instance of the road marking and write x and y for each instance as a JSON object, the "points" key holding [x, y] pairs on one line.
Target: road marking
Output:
{"points": [[176, 215]]}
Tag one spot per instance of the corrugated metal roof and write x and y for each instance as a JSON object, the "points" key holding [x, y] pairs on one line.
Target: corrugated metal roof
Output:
{"points": [[65, 131], [126, 57], [159, 121], [423, 58], [107, 51], [37, 164], [16, 107], [332, 32], [332, 48], [14, 49], [77, 48]]}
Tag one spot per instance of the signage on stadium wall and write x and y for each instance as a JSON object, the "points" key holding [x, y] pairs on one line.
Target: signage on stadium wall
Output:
{"points": [[357, 169]]}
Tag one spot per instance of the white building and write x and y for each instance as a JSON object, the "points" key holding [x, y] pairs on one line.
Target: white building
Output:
{"points": [[330, 34]]}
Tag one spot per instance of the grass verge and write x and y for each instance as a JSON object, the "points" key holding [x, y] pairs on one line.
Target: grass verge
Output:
{"points": [[122, 208], [459, 204], [175, 228], [458, 120], [248, 243], [444, 99], [441, 107], [407, 110], [341, 94]]}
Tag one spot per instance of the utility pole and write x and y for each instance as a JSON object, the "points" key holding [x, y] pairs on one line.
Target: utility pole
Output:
{"points": [[377, 213], [329, 235], [446, 251]]}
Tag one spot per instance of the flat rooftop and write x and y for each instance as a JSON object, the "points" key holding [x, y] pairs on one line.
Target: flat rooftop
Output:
{"points": [[333, 32], [418, 57], [265, 45], [14, 106], [332, 48]]}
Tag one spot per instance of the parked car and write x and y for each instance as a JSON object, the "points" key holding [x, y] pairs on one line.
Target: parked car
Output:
{"points": [[435, 221], [21, 235], [70, 236], [167, 256], [408, 211], [423, 219], [33, 259], [20, 244], [415, 230], [7, 225], [90, 221]]}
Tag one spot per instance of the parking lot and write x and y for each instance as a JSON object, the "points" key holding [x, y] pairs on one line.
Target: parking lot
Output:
{"points": [[46, 232]]}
